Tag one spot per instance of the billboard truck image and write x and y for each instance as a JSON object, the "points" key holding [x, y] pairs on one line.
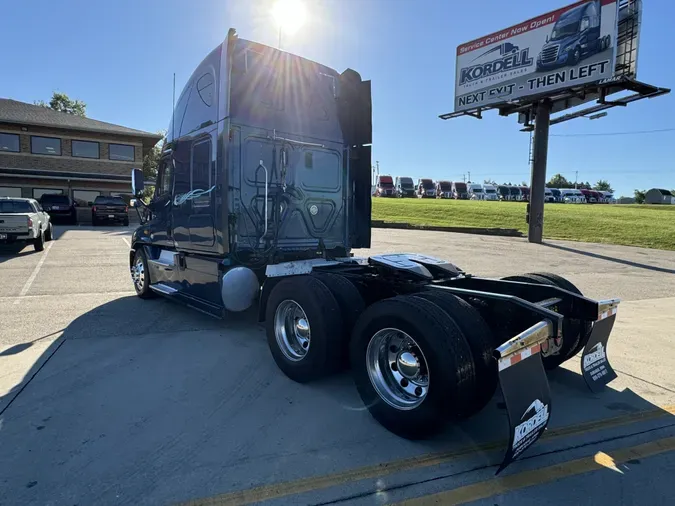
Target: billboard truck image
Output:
{"points": [[560, 49], [575, 36]]}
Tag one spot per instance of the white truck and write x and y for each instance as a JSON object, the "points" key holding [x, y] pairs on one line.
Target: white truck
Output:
{"points": [[476, 191], [490, 192], [23, 220]]}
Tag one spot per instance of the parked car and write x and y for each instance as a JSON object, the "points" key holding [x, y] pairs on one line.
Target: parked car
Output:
{"points": [[24, 220], [524, 193], [59, 207], [110, 209], [384, 187], [404, 187], [459, 191], [490, 192], [476, 191], [443, 189], [425, 188]]}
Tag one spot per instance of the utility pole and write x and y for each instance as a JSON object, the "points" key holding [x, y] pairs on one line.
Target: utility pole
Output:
{"points": [[377, 164], [464, 177], [535, 209], [469, 176], [576, 176]]}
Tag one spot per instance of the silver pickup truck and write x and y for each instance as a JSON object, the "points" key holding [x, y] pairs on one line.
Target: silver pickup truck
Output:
{"points": [[23, 220]]}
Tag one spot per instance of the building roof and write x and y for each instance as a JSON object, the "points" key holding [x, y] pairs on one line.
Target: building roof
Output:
{"points": [[13, 111]]}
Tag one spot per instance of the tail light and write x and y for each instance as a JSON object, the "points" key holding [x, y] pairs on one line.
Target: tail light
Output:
{"points": [[30, 223], [93, 209], [126, 209]]}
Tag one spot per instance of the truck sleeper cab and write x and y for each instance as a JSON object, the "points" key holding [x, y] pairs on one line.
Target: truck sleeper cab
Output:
{"points": [[385, 187], [575, 36], [504, 192], [262, 192], [404, 187]]}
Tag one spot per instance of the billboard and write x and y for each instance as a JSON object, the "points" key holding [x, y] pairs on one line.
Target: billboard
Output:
{"points": [[568, 47]]}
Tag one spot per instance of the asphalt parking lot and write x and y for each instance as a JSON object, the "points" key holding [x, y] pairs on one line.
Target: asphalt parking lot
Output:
{"points": [[109, 399]]}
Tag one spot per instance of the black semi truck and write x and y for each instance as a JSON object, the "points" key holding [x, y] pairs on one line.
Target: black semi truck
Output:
{"points": [[263, 191]]}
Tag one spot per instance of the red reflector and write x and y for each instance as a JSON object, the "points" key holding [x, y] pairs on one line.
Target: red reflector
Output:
{"points": [[126, 209], [93, 208]]}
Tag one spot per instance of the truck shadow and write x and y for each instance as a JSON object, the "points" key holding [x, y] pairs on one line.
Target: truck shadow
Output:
{"points": [[148, 388], [611, 259]]}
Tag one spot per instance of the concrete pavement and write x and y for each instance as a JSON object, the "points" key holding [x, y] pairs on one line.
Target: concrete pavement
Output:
{"points": [[109, 399]]}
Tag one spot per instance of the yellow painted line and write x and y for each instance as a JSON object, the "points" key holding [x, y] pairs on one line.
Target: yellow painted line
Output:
{"points": [[302, 485], [494, 486]]}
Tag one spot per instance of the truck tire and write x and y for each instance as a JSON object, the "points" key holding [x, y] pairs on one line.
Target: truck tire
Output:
{"points": [[584, 327], [49, 233], [140, 275], [570, 330], [480, 340], [350, 302], [401, 343], [304, 328], [39, 242]]}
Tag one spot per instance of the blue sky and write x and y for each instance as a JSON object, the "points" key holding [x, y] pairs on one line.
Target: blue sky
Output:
{"points": [[119, 57]]}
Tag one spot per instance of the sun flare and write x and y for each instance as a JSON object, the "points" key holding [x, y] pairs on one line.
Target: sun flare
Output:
{"points": [[290, 15]]}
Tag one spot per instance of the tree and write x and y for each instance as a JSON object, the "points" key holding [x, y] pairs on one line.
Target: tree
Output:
{"points": [[603, 186], [523, 183], [559, 181], [63, 103], [639, 196], [151, 159]]}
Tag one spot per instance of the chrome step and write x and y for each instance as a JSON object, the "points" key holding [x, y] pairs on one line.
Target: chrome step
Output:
{"points": [[163, 289]]}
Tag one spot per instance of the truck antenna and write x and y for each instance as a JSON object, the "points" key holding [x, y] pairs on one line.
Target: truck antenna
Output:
{"points": [[173, 108]]}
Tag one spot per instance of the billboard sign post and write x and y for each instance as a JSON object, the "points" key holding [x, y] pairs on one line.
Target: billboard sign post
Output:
{"points": [[564, 48]]}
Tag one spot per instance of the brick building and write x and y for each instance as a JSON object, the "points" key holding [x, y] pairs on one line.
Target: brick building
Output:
{"points": [[45, 151]]}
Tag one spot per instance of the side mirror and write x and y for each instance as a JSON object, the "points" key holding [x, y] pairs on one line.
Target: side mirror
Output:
{"points": [[137, 182], [90, 203]]}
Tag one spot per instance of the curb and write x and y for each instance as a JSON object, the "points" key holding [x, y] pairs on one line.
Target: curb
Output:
{"points": [[504, 232]]}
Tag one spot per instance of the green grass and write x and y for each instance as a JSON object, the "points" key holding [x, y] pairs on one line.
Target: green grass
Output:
{"points": [[631, 225]]}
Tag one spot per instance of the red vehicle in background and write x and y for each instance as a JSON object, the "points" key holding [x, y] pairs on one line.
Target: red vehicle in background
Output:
{"points": [[590, 198], [524, 193], [385, 187], [599, 197]]}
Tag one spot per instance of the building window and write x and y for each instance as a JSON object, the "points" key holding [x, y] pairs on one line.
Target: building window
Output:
{"points": [[85, 149], [45, 146], [9, 142], [122, 152], [39, 192], [85, 198]]}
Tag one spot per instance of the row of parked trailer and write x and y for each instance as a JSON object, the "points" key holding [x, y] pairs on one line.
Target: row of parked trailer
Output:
{"points": [[386, 186]]}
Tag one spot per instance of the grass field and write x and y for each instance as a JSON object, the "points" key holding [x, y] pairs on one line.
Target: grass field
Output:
{"points": [[631, 225]]}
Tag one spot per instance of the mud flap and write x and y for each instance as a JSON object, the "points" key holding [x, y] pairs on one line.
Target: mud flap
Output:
{"points": [[526, 393], [595, 367]]}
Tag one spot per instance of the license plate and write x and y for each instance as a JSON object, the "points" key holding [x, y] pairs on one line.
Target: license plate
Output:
{"points": [[3, 236], [55, 208], [111, 216]]}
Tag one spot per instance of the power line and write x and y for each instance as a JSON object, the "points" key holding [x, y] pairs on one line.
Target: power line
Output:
{"points": [[609, 134]]}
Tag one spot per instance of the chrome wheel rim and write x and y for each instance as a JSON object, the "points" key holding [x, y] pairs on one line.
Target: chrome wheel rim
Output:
{"points": [[292, 330], [397, 369], [138, 274]]}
